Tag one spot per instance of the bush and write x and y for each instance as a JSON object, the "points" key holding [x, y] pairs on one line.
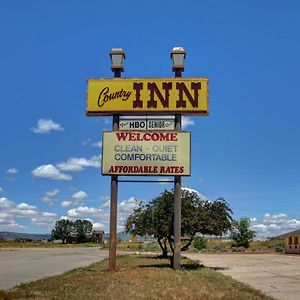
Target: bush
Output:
{"points": [[152, 247], [219, 248], [238, 249], [200, 243], [279, 247]]}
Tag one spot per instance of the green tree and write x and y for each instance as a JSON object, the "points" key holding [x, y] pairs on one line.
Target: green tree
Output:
{"points": [[83, 230], [200, 242], [62, 230], [241, 234], [198, 215]]}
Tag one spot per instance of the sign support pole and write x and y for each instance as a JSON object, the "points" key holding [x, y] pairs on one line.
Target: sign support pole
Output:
{"points": [[177, 202], [114, 203]]}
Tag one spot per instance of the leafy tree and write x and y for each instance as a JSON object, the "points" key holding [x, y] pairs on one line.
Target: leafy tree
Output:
{"points": [[242, 235], [83, 230], [198, 215], [67, 231], [62, 230]]}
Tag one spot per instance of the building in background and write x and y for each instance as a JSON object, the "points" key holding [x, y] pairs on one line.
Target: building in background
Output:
{"points": [[98, 236], [291, 241]]}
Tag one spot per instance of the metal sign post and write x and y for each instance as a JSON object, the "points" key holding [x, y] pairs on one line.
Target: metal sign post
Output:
{"points": [[113, 211], [177, 202], [117, 55]]}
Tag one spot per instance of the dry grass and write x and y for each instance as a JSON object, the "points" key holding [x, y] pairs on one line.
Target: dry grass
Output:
{"points": [[137, 277]]}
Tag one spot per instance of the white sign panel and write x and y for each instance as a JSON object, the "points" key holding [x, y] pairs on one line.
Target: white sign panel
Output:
{"points": [[146, 153], [150, 124]]}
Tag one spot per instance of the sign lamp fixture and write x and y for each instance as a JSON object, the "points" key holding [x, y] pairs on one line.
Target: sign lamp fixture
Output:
{"points": [[117, 56], [178, 55]]}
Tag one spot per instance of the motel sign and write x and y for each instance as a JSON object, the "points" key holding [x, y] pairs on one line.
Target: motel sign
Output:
{"points": [[147, 96], [136, 147]]}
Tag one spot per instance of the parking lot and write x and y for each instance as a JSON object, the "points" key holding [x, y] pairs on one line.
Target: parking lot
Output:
{"points": [[275, 275], [24, 265]]}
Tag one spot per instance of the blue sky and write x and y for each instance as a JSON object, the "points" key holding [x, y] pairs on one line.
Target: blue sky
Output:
{"points": [[246, 151]]}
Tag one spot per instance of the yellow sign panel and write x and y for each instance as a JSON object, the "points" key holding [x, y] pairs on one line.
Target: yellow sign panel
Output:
{"points": [[147, 96], [146, 153]]}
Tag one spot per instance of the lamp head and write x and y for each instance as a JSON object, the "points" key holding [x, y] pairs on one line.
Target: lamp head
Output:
{"points": [[178, 55], [117, 56]]}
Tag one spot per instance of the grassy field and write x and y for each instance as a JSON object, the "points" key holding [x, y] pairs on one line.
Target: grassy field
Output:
{"points": [[137, 277]]}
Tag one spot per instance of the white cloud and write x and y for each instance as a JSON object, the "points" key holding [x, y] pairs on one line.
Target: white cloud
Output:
{"points": [[12, 171], [97, 144], [80, 195], [26, 206], [51, 172], [48, 200], [106, 204], [66, 203], [66, 218], [98, 226], [75, 164], [89, 142], [46, 125], [3, 215], [195, 191], [82, 211], [44, 219], [10, 211], [5, 203], [100, 216], [277, 219], [86, 142], [186, 121], [50, 196], [77, 199], [9, 224], [128, 205], [273, 225], [52, 193], [24, 212]]}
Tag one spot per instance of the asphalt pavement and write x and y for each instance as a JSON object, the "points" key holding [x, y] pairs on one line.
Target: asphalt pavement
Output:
{"points": [[25, 265], [275, 275]]}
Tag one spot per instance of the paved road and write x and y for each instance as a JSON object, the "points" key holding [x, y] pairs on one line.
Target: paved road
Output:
{"points": [[24, 265], [275, 275]]}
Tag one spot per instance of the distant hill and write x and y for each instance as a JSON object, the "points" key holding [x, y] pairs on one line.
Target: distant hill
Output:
{"points": [[20, 235]]}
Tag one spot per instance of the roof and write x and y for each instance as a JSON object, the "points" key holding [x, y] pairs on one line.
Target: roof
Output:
{"points": [[98, 231], [295, 232]]}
